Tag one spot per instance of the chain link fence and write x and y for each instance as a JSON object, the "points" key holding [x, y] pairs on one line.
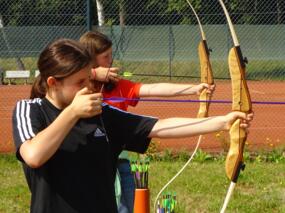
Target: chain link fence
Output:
{"points": [[27, 26], [156, 41], [164, 36]]}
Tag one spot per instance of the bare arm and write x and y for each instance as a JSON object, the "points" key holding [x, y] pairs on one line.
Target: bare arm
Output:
{"points": [[38, 150], [170, 89], [185, 127]]}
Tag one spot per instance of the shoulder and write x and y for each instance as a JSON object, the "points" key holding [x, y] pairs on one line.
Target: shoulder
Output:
{"points": [[123, 88], [130, 88], [26, 119], [125, 82], [107, 108], [27, 109], [119, 114], [26, 105]]}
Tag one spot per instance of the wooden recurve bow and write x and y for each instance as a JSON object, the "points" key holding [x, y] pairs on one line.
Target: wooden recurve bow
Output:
{"points": [[241, 101]]}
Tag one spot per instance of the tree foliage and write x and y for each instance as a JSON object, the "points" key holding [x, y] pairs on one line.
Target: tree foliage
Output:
{"points": [[42, 12], [140, 12]]}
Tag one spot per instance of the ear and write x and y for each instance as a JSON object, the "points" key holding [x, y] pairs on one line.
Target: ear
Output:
{"points": [[51, 81]]}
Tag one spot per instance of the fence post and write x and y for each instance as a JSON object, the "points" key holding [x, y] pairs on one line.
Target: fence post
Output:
{"points": [[1, 76], [89, 15], [170, 50]]}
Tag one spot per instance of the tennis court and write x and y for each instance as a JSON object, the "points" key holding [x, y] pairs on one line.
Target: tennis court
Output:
{"points": [[266, 131]]}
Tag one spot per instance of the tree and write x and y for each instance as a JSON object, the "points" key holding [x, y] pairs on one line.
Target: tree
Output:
{"points": [[19, 62], [100, 12]]}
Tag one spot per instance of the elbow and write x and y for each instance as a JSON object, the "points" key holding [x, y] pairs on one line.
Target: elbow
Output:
{"points": [[33, 162], [32, 158]]}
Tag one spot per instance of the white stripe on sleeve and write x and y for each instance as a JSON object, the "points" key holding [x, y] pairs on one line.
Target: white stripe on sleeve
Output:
{"points": [[23, 119], [29, 123], [18, 108]]}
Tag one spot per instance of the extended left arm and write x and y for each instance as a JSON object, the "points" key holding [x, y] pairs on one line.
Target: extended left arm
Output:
{"points": [[170, 89], [187, 127]]}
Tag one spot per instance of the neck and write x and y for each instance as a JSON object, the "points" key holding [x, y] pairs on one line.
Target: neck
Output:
{"points": [[55, 101]]}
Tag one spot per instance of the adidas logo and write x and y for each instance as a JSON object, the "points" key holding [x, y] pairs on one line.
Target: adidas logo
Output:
{"points": [[98, 133]]}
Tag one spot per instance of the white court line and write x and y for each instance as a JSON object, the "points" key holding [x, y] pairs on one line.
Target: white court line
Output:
{"points": [[262, 128], [257, 92]]}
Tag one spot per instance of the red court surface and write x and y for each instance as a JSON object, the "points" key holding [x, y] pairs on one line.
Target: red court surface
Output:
{"points": [[266, 131]]}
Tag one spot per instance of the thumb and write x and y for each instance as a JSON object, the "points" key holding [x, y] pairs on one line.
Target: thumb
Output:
{"points": [[240, 115], [205, 86], [114, 69]]}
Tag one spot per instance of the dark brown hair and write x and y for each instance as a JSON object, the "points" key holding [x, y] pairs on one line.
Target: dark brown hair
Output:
{"points": [[59, 59]]}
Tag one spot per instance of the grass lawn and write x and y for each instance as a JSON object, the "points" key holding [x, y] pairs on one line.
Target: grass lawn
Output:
{"points": [[201, 188], [14, 192]]}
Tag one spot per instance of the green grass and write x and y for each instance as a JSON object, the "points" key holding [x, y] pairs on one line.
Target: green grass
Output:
{"points": [[10, 63], [201, 188], [14, 193]]}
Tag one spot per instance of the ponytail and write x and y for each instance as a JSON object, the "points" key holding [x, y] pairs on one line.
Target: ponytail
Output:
{"points": [[39, 88]]}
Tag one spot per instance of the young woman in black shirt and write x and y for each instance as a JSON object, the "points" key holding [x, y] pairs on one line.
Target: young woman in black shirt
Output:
{"points": [[69, 141]]}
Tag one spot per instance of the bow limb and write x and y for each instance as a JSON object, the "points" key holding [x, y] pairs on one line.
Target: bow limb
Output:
{"points": [[198, 20], [206, 77], [241, 101], [205, 69]]}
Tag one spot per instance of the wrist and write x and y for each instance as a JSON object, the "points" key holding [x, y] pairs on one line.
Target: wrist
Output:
{"points": [[71, 113], [226, 122]]}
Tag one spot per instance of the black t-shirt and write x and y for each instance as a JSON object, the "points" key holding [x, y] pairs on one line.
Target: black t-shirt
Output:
{"points": [[79, 177]]}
